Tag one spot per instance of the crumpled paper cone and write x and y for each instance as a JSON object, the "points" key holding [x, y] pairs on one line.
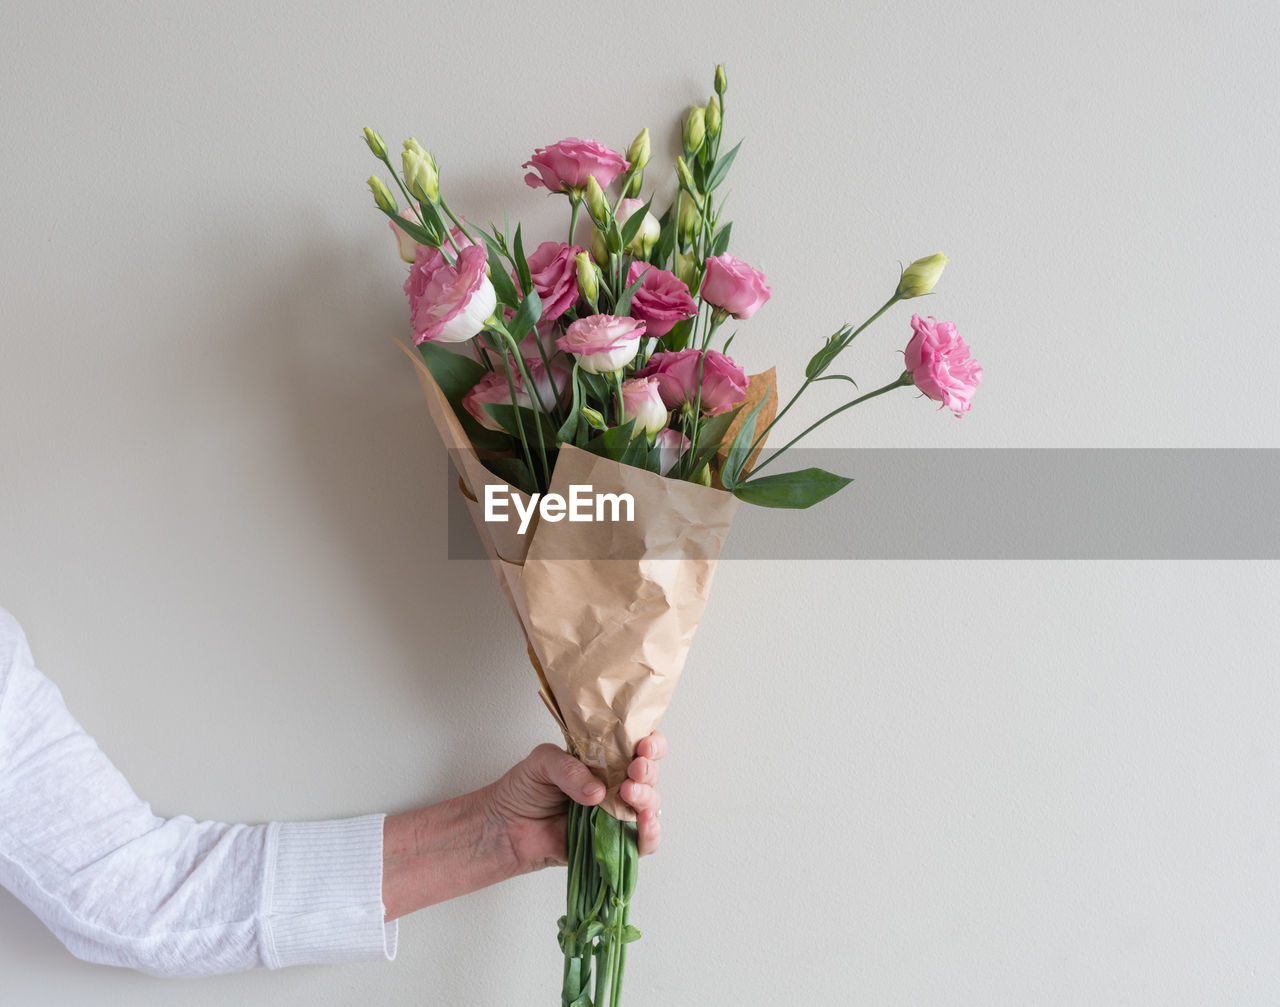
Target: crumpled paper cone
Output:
{"points": [[608, 608]]}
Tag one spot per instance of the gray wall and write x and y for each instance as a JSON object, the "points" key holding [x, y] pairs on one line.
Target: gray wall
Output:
{"points": [[927, 782]]}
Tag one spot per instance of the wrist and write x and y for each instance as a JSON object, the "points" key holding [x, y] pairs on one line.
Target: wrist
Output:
{"points": [[442, 851]]}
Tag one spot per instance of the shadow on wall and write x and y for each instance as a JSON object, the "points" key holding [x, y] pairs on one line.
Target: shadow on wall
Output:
{"points": [[311, 351]]}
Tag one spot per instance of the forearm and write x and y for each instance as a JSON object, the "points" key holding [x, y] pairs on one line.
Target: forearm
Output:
{"points": [[121, 886], [439, 852]]}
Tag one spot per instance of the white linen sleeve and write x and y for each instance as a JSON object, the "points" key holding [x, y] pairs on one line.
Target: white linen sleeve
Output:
{"points": [[120, 886]]}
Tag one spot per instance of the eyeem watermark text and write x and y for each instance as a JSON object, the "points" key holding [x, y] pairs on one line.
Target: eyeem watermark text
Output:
{"points": [[582, 504]]}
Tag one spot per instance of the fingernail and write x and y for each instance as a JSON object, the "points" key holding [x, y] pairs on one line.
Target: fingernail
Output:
{"points": [[595, 790]]}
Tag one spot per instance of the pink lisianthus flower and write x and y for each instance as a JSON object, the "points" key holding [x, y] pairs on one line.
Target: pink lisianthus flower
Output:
{"points": [[566, 165], [642, 402], [938, 358], [671, 445], [734, 286], [723, 384], [602, 343], [661, 301], [448, 303], [554, 271], [493, 389]]}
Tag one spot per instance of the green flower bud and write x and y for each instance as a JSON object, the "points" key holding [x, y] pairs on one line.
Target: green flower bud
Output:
{"points": [[594, 418], [588, 278], [633, 187], [713, 117], [695, 130], [689, 221], [721, 83], [420, 175], [382, 195], [687, 270], [415, 146], [598, 250], [703, 475], [376, 143], [638, 152], [685, 175], [919, 277], [597, 205]]}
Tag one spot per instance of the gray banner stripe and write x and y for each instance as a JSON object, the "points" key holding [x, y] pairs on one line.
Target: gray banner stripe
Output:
{"points": [[1040, 503]]}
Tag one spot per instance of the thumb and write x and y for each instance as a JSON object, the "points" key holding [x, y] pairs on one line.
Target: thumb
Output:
{"points": [[573, 778]]}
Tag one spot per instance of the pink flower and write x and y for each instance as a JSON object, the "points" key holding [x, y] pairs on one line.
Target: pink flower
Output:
{"points": [[555, 276], [566, 165], [734, 286], [723, 384], [493, 388], [662, 300], [602, 343], [449, 303], [642, 402], [940, 365], [408, 246], [671, 445]]}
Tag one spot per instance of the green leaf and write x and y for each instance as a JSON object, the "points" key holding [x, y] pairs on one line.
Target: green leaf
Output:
{"points": [[598, 387], [837, 377], [741, 446], [624, 302], [795, 490], [698, 168], [666, 244], [720, 243], [510, 417], [514, 471], [606, 835], [522, 265], [568, 432], [630, 934], [632, 227], [630, 860], [456, 375], [502, 285], [721, 169], [613, 443], [637, 453], [829, 350], [654, 462], [415, 230], [526, 316], [436, 222], [711, 431], [679, 336]]}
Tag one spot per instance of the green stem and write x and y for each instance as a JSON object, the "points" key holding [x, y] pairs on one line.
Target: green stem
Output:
{"points": [[903, 381], [808, 381], [515, 408], [573, 217], [460, 225], [407, 194]]}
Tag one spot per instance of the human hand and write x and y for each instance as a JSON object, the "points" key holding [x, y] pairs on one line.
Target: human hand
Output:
{"points": [[529, 804]]}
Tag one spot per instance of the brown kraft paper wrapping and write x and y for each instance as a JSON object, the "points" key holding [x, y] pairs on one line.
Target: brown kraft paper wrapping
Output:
{"points": [[608, 608]]}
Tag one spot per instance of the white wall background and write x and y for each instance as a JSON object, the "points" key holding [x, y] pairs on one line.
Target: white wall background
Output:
{"points": [[890, 783]]}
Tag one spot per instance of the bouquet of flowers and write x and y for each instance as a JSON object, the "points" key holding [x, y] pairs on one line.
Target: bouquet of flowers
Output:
{"points": [[604, 438]]}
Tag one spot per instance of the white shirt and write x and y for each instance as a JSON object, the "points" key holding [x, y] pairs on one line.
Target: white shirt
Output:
{"points": [[121, 886]]}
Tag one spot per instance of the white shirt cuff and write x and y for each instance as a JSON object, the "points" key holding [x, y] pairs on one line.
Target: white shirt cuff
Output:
{"points": [[323, 893]]}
